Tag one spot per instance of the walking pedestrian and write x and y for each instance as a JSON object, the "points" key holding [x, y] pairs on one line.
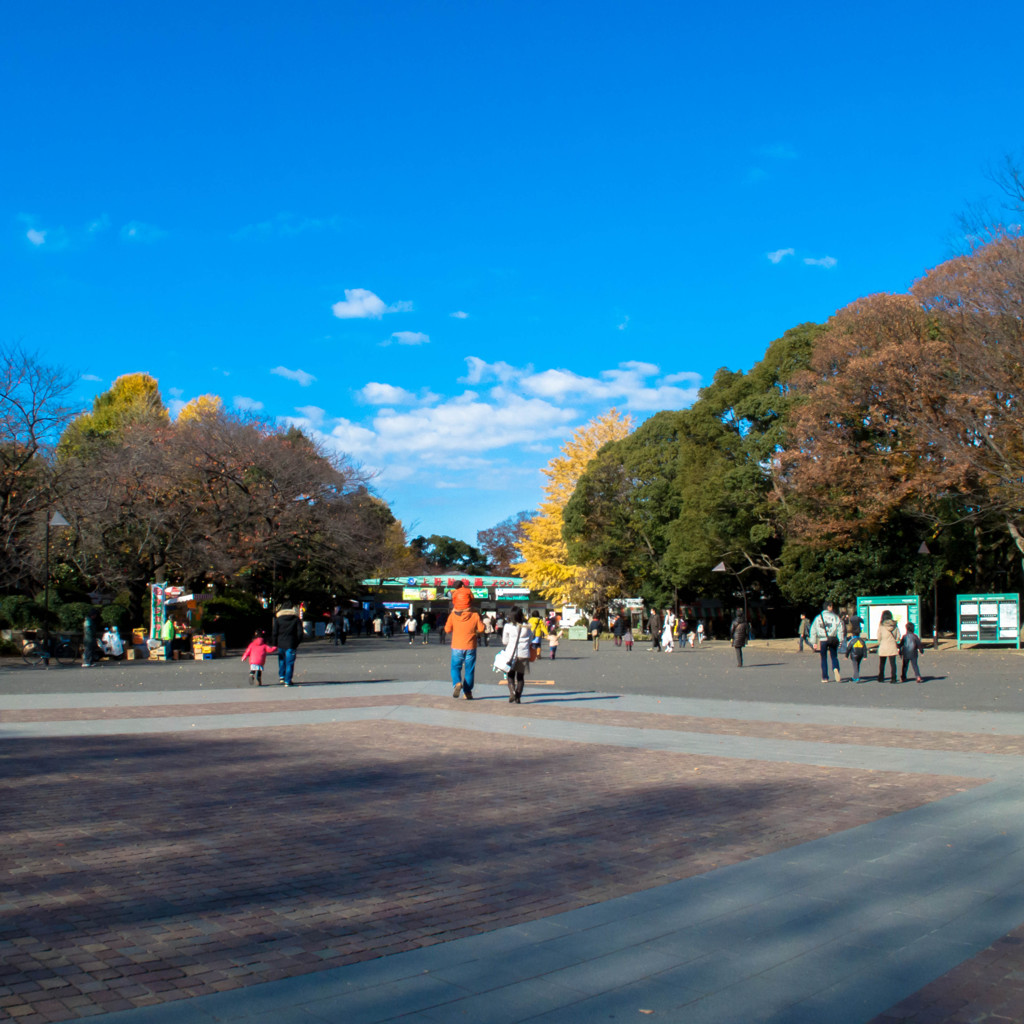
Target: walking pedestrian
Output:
{"points": [[654, 630], [803, 632], [465, 625], [856, 651], [256, 654], [595, 631], [516, 639], [89, 639], [910, 648], [738, 634], [286, 637], [826, 635], [888, 645], [618, 628], [669, 622]]}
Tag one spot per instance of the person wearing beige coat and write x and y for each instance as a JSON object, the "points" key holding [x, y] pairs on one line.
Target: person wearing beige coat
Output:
{"points": [[888, 645]]}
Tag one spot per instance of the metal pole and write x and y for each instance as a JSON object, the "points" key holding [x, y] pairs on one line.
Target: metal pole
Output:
{"points": [[935, 622], [746, 610], [46, 581]]}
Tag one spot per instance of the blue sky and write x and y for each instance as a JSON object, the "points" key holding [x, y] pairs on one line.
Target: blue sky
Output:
{"points": [[441, 236]]}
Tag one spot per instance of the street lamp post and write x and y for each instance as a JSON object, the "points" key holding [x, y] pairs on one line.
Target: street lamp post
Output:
{"points": [[55, 520], [722, 567], [925, 550]]}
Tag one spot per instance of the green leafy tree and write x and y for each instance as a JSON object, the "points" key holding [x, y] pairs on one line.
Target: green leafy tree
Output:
{"points": [[441, 552]]}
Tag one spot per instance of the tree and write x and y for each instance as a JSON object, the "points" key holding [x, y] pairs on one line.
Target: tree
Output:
{"points": [[546, 565], [33, 411], [661, 507], [215, 498], [881, 376], [440, 552], [977, 302], [501, 543], [133, 398]]}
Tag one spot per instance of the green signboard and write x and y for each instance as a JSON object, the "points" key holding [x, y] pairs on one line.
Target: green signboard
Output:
{"points": [[988, 619], [906, 608]]}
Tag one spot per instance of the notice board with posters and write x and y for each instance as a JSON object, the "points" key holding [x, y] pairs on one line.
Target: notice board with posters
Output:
{"points": [[988, 619], [905, 608]]}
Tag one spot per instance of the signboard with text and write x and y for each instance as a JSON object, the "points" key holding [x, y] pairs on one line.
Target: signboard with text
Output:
{"points": [[988, 619]]}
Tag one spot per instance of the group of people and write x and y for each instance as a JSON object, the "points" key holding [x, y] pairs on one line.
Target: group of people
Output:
{"points": [[828, 634], [667, 628]]}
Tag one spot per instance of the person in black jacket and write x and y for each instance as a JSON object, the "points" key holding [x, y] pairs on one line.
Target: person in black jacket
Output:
{"points": [[286, 637], [739, 637]]}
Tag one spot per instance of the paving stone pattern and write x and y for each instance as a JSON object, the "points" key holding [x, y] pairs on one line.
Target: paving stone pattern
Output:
{"points": [[540, 707], [142, 869]]}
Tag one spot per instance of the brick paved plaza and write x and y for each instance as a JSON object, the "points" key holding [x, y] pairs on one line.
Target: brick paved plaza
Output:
{"points": [[173, 834]]}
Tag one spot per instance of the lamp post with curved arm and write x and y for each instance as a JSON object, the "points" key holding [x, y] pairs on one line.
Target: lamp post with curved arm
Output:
{"points": [[722, 567]]}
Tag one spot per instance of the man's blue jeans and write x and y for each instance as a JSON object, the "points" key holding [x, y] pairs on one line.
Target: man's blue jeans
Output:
{"points": [[286, 664], [463, 661], [825, 648]]}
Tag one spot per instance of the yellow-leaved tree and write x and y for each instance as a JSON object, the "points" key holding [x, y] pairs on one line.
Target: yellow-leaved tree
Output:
{"points": [[545, 561], [201, 407]]}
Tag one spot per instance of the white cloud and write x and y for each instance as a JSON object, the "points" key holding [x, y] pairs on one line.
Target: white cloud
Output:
{"points": [[408, 338], [101, 223], [175, 392], [312, 413], [36, 237], [459, 315], [137, 231], [826, 261], [303, 378], [360, 304], [90, 377], [287, 225], [627, 385], [479, 371], [624, 324], [244, 404], [677, 378], [779, 151], [376, 393], [174, 407], [780, 254]]}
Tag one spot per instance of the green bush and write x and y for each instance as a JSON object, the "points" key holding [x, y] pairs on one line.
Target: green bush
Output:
{"points": [[237, 615], [70, 616], [22, 612], [117, 615]]}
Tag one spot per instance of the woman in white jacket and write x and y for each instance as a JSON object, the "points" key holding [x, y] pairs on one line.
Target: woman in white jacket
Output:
{"points": [[516, 638]]}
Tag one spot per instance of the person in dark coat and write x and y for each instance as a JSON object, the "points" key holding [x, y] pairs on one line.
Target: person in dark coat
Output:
{"points": [[286, 637], [738, 633], [654, 629]]}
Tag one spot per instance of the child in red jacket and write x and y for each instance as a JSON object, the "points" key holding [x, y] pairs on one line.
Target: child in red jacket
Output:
{"points": [[257, 652]]}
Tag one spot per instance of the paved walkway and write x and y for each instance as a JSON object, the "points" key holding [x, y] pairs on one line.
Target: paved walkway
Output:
{"points": [[385, 853]]}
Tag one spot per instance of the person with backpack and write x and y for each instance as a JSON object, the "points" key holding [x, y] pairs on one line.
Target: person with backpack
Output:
{"points": [[826, 636], [888, 645], [856, 651], [910, 647]]}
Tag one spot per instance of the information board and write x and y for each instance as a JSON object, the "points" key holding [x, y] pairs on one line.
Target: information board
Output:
{"points": [[988, 619], [905, 608]]}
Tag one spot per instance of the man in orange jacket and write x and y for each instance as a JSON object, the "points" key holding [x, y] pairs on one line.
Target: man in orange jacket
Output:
{"points": [[465, 625]]}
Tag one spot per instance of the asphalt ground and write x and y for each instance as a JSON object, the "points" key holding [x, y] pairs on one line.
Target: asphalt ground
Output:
{"points": [[977, 679], [648, 835]]}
